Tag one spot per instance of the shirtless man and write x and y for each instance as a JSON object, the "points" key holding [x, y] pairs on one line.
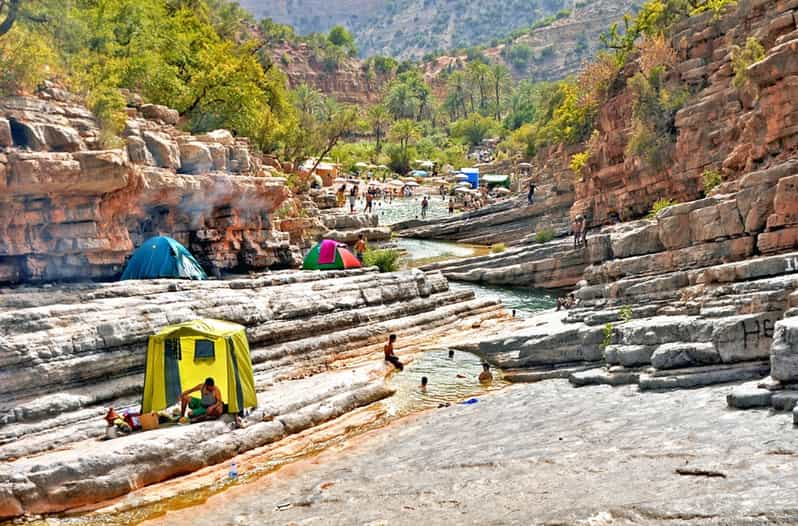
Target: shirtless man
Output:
{"points": [[579, 224], [389, 354], [206, 407]]}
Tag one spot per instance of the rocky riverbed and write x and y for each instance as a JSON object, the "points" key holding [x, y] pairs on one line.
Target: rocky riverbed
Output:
{"points": [[541, 453]]}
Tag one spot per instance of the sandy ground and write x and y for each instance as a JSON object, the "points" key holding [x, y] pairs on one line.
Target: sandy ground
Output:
{"points": [[543, 453]]}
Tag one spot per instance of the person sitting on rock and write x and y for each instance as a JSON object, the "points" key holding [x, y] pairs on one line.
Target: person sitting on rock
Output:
{"points": [[424, 382], [389, 354], [208, 406], [485, 376]]}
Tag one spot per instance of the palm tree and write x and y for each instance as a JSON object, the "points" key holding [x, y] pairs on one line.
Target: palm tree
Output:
{"points": [[379, 118], [401, 101], [404, 131], [457, 92], [500, 76]]}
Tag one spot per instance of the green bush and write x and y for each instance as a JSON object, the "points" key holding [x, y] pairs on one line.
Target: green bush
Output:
{"points": [[579, 161], [743, 57], [711, 179], [498, 248], [544, 236], [386, 260], [626, 314], [660, 205], [607, 341]]}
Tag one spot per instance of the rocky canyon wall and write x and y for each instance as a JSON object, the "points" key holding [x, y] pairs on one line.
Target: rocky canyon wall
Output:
{"points": [[71, 209], [723, 128]]}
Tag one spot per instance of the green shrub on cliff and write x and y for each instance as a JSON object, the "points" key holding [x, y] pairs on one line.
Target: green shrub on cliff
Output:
{"points": [[578, 161], [742, 57], [711, 179], [544, 235], [660, 204], [386, 260]]}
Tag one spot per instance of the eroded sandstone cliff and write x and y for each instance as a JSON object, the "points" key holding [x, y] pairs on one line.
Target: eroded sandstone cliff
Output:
{"points": [[70, 209]]}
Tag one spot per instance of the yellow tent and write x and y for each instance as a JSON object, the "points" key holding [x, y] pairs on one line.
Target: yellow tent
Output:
{"points": [[182, 356]]}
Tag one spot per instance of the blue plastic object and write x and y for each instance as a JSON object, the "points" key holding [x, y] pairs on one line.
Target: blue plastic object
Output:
{"points": [[162, 257], [470, 401]]}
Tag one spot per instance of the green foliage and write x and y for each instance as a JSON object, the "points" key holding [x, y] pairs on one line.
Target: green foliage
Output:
{"points": [[743, 57], [659, 205], [626, 314], [711, 179], [609, 328], [578, 161], [26, 59], [197, 57], [654, 107], [519, 55], [386, 260], [473, 129], [341, 38], [544, 236], [498, 248]]}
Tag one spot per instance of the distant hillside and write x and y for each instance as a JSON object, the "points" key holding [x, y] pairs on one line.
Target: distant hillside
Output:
{"points": [[412, 28], [551, 52]]}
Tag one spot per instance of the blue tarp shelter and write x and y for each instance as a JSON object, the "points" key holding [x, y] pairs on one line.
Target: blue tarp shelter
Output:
{"points": [[162, 257], [473, 176]]}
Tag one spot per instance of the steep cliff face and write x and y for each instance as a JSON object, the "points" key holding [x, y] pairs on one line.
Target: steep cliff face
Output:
{"points": [[349, 82], [69, 210], [721, 128]]}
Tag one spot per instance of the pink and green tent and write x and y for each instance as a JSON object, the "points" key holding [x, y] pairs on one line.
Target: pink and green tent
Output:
{"points": [[329, 254]]}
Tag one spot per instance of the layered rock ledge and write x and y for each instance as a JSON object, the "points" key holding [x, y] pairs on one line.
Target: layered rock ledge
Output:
{"points": [[70, 351]]}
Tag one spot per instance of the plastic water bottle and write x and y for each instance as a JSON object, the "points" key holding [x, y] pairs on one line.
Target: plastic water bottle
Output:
{"points": [[233, 471]]}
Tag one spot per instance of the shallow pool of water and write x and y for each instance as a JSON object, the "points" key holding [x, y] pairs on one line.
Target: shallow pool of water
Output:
{"points": [[420, 251], [406, 208], [451, 381], [524, 301]]}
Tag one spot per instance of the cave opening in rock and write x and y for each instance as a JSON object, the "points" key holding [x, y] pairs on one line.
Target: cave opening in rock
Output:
{"points": [[20, 134]]}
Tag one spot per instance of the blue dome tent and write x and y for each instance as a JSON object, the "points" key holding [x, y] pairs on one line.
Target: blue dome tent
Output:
{"points": [[162, 257]]}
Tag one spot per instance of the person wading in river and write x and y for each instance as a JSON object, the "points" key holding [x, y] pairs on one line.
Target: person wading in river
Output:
{"points": [[389, 354], [424, 206]]}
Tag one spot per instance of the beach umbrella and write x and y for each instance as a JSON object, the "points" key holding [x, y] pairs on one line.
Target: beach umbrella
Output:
{"points": [[524, 165], [339, 180], [502, 191], [397, 182], [361, 164], [463, 190], [412, 183], [382, 167]]}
